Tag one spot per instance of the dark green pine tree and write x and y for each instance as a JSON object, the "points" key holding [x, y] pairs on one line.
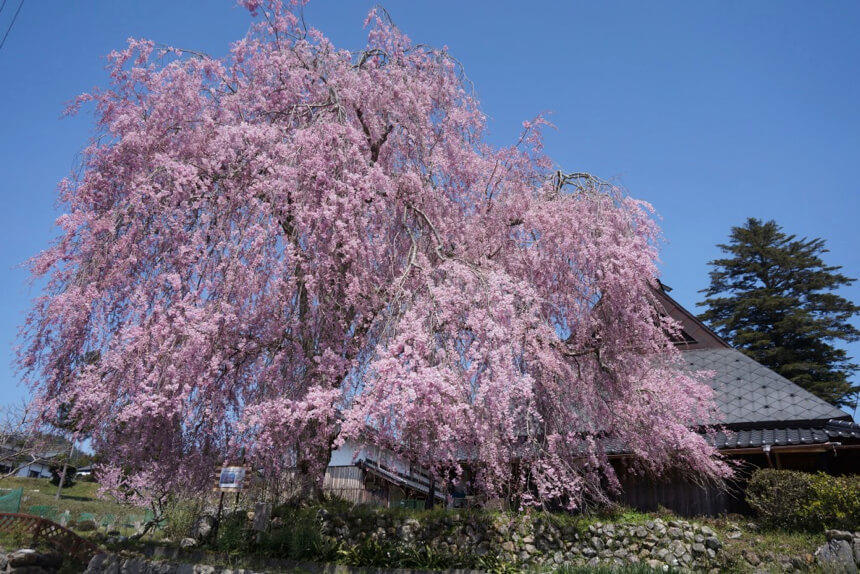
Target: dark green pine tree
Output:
{"points": [[773, 298]]}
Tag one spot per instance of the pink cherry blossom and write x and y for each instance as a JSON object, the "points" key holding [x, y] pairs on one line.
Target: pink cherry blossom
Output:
{"points": [[298, 244]]}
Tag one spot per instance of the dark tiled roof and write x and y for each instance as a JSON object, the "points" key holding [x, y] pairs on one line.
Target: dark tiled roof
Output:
{"points": [[750, 395], [843, 429], [830, 431]]}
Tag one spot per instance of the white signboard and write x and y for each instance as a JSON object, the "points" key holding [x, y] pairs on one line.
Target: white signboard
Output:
{"points": [[231, 478]]}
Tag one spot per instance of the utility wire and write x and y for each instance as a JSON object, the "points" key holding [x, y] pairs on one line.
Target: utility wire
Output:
{"points": [[12, 23], [3, 5]]}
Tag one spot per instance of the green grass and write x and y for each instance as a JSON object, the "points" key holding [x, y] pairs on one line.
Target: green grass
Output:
{"points": [[80, 497], [766, 543]]}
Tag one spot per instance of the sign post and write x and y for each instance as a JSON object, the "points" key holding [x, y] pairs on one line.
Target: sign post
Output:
{"points": [[230, 479]]}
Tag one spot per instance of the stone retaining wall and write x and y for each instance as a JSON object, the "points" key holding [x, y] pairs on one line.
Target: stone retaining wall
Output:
{"points": [[537, 541], [28, 561]]}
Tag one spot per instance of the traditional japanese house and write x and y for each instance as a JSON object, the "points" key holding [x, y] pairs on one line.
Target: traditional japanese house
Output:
{"points": [[763, 420]]}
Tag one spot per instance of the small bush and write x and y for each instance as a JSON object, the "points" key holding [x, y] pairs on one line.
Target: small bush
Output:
{"points": [[300, 539], [804, 501], [234, 535], [68, 481], [180, 517], [390, 554]]}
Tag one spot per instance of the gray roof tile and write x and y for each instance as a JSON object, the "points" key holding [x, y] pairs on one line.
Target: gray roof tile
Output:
{"points": [[746, 438], [747, 392]]}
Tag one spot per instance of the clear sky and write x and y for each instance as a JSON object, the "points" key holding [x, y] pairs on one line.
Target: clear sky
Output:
{"points": [[712, 111]]}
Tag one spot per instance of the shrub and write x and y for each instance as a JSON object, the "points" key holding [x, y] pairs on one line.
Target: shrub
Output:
{"points": [[68, 481], [179, 518], [390, 554], [835, 502], [233, 533], [804, 501], [300, 539]]}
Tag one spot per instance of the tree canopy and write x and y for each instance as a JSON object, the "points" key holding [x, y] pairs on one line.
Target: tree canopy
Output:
{"points": [[297, 244], [773, 297]]}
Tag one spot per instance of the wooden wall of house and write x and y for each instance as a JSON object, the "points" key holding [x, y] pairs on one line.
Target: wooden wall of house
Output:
{"points": [[343, 478], [346, 482], [351, 483], [681, 496], [690, 499]]}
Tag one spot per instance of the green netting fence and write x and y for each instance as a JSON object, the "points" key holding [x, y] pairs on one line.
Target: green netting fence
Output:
{"points": [[49, 512], [10, 500], [124, 523]]}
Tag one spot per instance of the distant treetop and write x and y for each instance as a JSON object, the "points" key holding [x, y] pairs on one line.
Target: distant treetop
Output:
{"points": [[773, 297]]}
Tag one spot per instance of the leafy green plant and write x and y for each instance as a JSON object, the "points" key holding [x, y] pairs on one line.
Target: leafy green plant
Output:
{"points": [[421, 557], [300, 539], [180, 516], [370, 553], [234, 536], [493, 563], [803, 501]]}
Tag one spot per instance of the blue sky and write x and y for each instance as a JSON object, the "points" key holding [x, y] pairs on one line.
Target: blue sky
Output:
{"points": [[712, 111]]}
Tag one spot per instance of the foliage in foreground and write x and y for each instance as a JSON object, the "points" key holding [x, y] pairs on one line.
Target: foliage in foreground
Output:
{"points": [[301, 538], [297, 535], [804, 501]]}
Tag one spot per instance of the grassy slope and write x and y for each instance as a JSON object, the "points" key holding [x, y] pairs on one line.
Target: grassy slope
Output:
{"points": [[767, 545], [81, 497]]}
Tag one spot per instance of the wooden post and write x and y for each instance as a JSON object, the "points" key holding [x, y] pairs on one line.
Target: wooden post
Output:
{"points": [[431, 495], [236, 503], [65, 469], [766, 450], [218, 517]]}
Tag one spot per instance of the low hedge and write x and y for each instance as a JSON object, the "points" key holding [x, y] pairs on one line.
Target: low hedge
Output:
{"points": [[804, 501]]}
